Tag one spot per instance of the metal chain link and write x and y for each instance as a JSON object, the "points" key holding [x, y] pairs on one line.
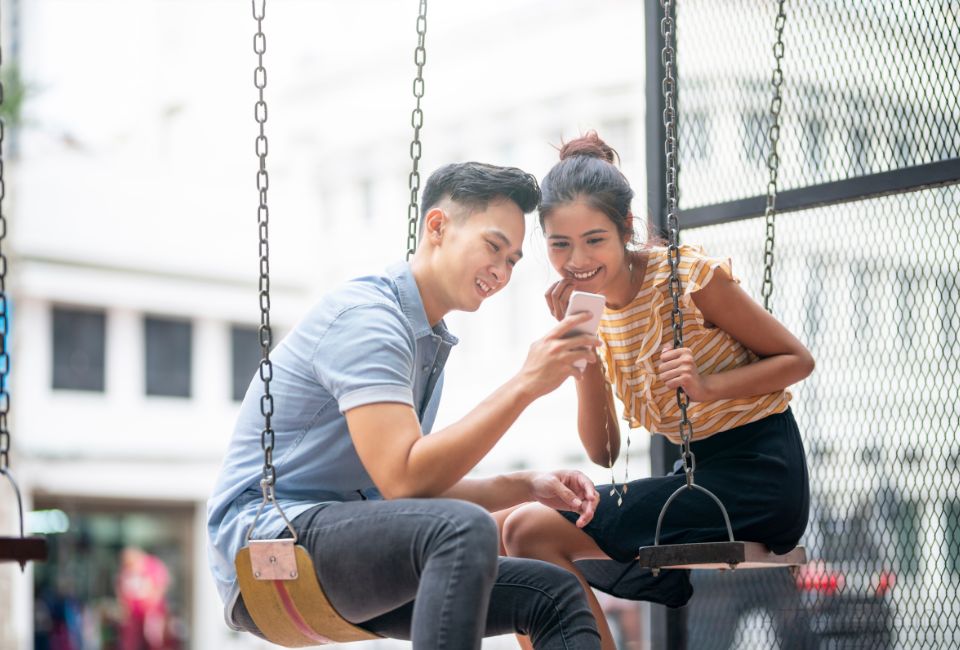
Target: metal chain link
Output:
{"points": [[668, 58], [263, 218], [4, 312], [416, 121], [773, 158]]}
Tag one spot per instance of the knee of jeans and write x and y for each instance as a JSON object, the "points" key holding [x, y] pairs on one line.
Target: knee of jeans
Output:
{"points": [[561, 595], [565, 583], [523, 533], [475, 527]]}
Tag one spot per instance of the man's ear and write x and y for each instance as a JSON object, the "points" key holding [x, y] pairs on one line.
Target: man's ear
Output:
{"points": [[434, 223]]}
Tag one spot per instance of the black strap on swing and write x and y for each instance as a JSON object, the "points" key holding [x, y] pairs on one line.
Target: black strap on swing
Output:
{"points": [[731, 553], [20, 549], [277, 577]]}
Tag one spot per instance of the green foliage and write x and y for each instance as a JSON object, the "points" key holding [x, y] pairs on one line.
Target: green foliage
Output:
{"points": [[14, 93]]}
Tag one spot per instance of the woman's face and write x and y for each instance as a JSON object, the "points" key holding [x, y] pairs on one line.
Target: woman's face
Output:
{"points": [[584, 246]]}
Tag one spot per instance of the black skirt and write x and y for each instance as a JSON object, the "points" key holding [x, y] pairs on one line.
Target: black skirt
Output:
{"points": [[757, 470]]}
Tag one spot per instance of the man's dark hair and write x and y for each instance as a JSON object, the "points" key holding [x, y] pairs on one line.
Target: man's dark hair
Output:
{"points": [[474, 185]]}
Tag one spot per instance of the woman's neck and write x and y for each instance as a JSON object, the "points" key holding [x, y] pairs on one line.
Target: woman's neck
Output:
{"points": [[625, 286]]}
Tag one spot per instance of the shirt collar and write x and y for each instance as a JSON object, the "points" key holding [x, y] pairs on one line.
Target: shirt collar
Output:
{"points": [[411, 303]]}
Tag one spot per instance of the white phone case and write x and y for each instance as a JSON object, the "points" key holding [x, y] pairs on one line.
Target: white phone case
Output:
{"points": [[592, 303]]}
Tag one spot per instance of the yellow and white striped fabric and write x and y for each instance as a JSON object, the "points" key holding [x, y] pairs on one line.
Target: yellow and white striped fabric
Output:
{"points": [[633, 337]]}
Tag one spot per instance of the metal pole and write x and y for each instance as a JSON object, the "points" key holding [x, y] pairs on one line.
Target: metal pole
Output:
{"points": [[668, 627]]}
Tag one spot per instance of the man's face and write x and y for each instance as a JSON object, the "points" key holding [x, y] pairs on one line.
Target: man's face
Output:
{"points": [[479, 252]]}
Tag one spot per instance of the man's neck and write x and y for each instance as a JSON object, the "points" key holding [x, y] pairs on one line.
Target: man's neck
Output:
{"points": [[430, 294]]}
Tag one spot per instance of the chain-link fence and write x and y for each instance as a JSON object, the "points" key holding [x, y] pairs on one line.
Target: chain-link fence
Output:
{"points": [[866, 273]]}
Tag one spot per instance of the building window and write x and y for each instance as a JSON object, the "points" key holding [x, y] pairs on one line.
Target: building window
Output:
{"points": [[169, 352], [908, 293], [860, 150], [945, 141], [813, 321], [860, 297], [815, 146], [78, 349], [756, 127], [952, 527], [904, 149], [949, 312], [245, 356], [695, 136]]}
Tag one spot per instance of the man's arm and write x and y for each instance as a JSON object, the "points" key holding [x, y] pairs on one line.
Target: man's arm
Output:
{"points": [[404, 463], [561, 489], [495, 492]]}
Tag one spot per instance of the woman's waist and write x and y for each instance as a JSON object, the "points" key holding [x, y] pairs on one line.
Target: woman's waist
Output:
{"points": [[708, 419], [750, 438]]}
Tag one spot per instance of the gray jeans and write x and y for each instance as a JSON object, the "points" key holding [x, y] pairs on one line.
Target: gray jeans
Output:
{"points": [[427, 570]]}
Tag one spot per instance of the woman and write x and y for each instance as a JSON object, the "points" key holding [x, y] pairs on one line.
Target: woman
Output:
{"points": [[735, 366]]}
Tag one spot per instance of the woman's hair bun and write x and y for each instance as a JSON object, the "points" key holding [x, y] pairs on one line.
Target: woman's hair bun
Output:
{"points": [[590, 145]]}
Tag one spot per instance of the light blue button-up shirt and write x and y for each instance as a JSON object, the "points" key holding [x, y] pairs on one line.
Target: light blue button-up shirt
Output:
{"points": [[368, 341]]}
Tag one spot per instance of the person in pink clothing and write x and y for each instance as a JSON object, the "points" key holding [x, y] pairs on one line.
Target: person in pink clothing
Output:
{"points": [[142, 585]]}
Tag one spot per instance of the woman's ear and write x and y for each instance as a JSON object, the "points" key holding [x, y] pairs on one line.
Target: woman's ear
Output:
{"points": [[434, 224], [628, 227]]}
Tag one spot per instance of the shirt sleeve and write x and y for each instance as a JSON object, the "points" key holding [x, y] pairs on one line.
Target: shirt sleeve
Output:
{"points": [[701, 269], [366, 356]]}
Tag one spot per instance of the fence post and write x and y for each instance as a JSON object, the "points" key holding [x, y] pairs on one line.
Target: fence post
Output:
{"points": [[668, 627]]}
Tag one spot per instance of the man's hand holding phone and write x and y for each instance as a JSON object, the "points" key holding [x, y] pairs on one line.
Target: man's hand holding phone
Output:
{"points": [[562, 353]]}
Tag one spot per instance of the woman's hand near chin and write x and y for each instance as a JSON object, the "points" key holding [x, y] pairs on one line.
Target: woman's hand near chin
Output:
{"points": [[558, 296]]}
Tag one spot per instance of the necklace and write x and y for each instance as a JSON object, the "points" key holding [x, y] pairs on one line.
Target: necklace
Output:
{"points": [[642, 257]]}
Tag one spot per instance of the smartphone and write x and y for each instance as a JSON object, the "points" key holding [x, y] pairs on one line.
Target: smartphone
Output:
{"points": [[592, 303]]}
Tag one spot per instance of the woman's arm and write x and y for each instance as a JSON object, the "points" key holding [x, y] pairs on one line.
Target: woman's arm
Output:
{"points": [[784, 360]]}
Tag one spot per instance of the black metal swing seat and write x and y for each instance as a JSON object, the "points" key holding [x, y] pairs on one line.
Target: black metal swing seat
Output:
{"points": [[21, 549], [730, 554], [718, 555]]}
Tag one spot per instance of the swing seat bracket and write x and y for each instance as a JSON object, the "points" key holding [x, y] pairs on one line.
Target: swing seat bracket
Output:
{"points": [[273, 559], [291, 612]]}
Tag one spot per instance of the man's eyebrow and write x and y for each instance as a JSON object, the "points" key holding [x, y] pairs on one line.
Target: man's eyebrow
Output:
{"points": [[499, 234]]}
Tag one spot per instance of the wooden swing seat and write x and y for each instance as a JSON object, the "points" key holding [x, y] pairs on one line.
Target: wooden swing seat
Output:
{"points": [[286, 600], [718, 555], [23, 549]]}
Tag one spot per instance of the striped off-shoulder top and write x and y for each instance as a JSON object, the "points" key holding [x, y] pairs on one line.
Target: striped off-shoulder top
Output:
{"points": [[632, 338]]}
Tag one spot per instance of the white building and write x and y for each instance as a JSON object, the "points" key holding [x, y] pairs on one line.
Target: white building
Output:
{"points": [[132, 237]]}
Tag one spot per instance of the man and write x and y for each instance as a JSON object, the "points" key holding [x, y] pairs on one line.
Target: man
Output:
{"points": [[402, 543]]}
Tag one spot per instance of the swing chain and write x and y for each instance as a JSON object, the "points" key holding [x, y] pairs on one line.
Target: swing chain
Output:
{"points": [[416, 121], [668, 58], [263, 218], [773, 158], [4, 311]]}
